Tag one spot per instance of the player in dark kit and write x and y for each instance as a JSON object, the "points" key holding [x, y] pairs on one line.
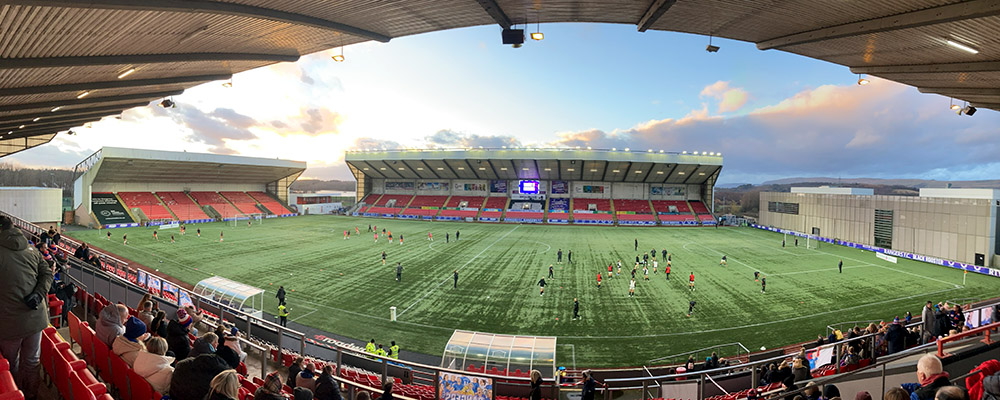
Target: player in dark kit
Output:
{"points": [[541, 286], [456, 279], [636, 244], [576, 308], [569, 257], [840, 266], [664, 253], [763, 284], [383, 258], [756, 276], [796, 242], [691, 307], [559, 256], [551, 275]]}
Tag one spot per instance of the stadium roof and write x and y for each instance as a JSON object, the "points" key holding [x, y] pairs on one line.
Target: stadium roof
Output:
{"points": [[124, 54], [155, 166], [545, 164]]}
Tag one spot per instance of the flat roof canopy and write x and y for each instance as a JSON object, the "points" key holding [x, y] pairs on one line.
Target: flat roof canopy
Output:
{"points": [[546, 164], [126, 54], [155, 166]]}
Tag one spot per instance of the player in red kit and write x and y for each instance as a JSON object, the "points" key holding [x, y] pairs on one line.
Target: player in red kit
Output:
{"points": [[691, 282]]}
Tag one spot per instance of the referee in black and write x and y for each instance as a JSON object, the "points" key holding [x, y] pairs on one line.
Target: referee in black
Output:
{"points": [[576, 308], [456, 279]]}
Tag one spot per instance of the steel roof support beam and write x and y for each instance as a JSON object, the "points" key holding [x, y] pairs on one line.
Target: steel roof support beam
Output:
{"points": [[51, 122], [961, 91], [37, 132], [656, 10], [117, 84], [90, 100], [132, 59], [494, 10], [914, 19], [977, 66], [22, 144], [106, 109], [995, 106], [212, 7]]}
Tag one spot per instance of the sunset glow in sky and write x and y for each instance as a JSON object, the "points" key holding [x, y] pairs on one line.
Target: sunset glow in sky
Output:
{"points": [[771, 114]]}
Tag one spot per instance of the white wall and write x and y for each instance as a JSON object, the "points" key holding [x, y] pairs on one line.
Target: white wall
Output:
{"points": [[32, 204]]}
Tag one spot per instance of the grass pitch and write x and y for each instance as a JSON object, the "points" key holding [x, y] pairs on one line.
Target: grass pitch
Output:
{"points": [[341, 285]]}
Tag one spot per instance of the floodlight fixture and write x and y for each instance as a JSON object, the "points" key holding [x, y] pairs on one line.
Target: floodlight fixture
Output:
{"points": [[961, 46], [82, 95], [711, 48], [339, 57], [126, 73], [862, 81]]}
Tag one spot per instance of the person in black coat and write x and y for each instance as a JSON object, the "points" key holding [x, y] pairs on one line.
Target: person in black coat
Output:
{"points": [[293, 371], [158, 326], [193, 377], [177, 335], [589, 385], [82, 252], [281, 295], [327, 388], [896, 337], [941, 324], [536, 385], [227, 353]]}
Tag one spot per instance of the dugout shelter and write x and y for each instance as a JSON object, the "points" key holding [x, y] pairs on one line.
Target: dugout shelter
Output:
{"points": [[117, 187], [511, 355], [232, 294]]}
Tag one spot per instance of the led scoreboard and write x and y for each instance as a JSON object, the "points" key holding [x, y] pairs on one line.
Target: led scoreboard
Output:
{"points": [[528, 187]]}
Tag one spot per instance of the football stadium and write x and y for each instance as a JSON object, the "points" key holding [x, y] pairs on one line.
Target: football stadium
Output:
{"points": [[479, 273]]}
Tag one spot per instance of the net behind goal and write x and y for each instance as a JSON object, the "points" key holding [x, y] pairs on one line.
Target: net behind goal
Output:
{"points": [[255, 219]]}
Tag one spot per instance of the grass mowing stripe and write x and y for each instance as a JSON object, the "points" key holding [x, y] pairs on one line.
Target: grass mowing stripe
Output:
{"points": [[458, 269]]}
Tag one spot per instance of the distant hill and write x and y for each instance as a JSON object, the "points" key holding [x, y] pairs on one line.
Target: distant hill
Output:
{"points": [[911, 183], [315, 185]]}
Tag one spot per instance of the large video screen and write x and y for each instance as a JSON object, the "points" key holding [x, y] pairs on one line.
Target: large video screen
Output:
{"points": [[528, 187]]}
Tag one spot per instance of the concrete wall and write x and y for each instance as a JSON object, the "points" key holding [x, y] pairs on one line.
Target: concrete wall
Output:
{"points": [[620, 190], [948, 228], [175, 187], [39, 205]]}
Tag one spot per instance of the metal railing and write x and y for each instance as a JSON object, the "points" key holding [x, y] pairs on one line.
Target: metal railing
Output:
{"points": [[740, 352]]}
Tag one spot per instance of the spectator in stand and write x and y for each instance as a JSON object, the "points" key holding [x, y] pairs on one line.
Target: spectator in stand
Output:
{"points": [[951, 393], [931, 377], [850, 358], [128, 345], [863, 395], [589, 385], [896, 336], [301, 393], [991, 387], [204, 345], [830, 392], [812, 391], [66, 292], [362, 396], [306, 378], [327, 388], [227, 353], [154, 365], [146, 312], [193, 376], [536, 385], [82, 252], [177, 335], [25, 279], [942, 326], [690, 364], [387, 389], [927, 322], [293, 371], [819, 341], [111, 323], [158, 327], [800, 371], [896, 393], [271, 389], [958, 318], [715, 360], [995, 316], [224, 386]]}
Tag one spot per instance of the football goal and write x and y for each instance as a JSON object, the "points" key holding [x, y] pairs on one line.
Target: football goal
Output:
{"points": [[241, 219]]}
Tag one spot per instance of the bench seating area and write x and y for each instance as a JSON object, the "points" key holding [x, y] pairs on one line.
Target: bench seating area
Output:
{"points": [[182, 206], [217, 202], [147, 202]]}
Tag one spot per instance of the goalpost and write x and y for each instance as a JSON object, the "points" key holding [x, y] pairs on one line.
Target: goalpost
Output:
{"points": [[241, 219], [812, 242]]}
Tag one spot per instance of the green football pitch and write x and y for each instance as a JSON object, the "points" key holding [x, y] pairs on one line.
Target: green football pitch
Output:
{"points": [[341, 286]]}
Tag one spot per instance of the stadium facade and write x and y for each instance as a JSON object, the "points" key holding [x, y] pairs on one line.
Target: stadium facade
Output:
{"points": [[523, 185], [117, 187], [949, 224]]}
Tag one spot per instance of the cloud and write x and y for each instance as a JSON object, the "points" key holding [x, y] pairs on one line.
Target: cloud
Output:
{"points": [[879, 130], [373, 143], [214, 128], [730, 99], [316, 121], [449, 138]]}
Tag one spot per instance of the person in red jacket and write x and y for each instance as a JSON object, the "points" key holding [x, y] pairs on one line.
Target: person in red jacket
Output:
{"points": [[598, 280], [691, 282]]}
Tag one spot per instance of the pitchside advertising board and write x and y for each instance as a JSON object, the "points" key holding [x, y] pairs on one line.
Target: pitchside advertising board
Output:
{"points": [[463, 387], [108, 210]]}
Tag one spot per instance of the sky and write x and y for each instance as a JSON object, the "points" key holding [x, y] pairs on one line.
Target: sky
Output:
{"points": [[771, 114]]}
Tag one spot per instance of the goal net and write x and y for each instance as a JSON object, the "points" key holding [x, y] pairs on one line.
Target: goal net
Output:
{"points": [[242, 219], [812, 242]]}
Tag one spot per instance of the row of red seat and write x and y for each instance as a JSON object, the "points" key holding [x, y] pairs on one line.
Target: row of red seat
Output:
{"points": [[8, 388], [67, 372]]}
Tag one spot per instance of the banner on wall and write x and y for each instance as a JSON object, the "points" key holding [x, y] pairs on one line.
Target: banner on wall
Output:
{"points": [[498, 186], [590, 189], [153, 285], [398, 185], [667, 190], [560, 187], [432, 186], [184, 299], [141, 279], [463, 387], [170, 292], [470, 187]]}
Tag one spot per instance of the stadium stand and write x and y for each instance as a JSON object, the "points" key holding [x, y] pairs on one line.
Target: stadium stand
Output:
{"points": [[243, 202], [592, 212], [634, 212], [219, 203], [558, 211], [182, 206], [269, 203], [461, 207], [388, 205], [493, 209], [417, 206], [147, 202], [664, 206], [704, 215]]}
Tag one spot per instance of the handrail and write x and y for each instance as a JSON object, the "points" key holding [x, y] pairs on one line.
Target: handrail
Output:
{"points": [[652, 361], [972, 332], [352, 384]]}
